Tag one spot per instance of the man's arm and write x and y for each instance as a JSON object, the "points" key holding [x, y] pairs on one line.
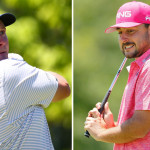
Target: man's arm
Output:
{"points": [[136, 127], [63, 89]]}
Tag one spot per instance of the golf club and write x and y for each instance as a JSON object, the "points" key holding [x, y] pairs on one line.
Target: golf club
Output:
{"points": [[109, 91]]}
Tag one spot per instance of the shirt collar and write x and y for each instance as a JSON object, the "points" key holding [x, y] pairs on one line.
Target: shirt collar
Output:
{"points": [[142, 59]]}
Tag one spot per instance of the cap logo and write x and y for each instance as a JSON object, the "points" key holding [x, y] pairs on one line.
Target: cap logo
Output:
{"points": [[124, 14], [147, 18]]}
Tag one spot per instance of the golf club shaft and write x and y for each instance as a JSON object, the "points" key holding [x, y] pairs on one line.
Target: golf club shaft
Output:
{"points": [[109, 91]]}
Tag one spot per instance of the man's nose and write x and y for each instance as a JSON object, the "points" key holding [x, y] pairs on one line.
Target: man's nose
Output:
{"points": [[123, 38]]}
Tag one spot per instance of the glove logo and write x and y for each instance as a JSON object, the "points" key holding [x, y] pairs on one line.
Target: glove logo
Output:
{"points": [[124, 14]]}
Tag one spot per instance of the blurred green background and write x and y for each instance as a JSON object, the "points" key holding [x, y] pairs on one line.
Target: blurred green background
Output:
{"points": [[97, 58], [42, 35]]}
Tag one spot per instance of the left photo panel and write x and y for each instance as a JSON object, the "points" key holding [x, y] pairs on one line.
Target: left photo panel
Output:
{"points": [[36, 74]]}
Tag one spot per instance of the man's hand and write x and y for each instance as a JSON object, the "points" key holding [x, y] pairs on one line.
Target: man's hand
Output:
{"points": [[107, 114], [132, 129], [95, 126]]}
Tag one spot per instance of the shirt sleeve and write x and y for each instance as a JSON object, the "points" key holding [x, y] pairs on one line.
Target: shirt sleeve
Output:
{"points": [[26, 87], [142, 91]]}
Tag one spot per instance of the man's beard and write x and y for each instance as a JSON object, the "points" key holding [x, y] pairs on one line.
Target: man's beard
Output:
{"points": [[133, 54]]}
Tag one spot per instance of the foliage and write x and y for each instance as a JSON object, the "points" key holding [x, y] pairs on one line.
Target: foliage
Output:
{"points": [[42, 35], [96, 60]]}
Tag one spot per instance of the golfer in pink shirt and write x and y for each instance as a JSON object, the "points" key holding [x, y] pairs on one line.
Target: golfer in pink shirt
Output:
{"points": [[132, 130]]}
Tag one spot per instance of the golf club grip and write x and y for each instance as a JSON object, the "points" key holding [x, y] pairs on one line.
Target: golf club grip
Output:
{"points": [[104, 101], [87, 134]]}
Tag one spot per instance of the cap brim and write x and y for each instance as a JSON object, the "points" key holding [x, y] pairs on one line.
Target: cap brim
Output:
{"points": [[7, 19], [121, 25]]}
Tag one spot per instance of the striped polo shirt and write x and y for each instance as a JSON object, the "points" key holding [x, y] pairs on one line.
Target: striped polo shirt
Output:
{"points": [[24, 92]]}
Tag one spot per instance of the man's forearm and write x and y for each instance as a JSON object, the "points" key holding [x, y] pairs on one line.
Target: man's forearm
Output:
{"points": [[118, 134], [115, 135], [63, 89], [134, 128], [129, 131]]}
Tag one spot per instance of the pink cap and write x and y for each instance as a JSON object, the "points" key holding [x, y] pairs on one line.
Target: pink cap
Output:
{"points": [[131, 14]]}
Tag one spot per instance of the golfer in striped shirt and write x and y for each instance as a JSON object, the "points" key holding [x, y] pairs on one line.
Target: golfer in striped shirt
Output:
{"points": [[24, 92]]}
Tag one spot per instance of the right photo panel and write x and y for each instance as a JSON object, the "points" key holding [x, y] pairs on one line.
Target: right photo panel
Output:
{"points": [[111, 75]]}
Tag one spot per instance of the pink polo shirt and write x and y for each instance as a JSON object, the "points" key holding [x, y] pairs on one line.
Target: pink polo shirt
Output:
{"points": [[136, 97]]}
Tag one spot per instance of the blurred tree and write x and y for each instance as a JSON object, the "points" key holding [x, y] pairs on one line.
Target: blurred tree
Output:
{"points": [[42, 35]]}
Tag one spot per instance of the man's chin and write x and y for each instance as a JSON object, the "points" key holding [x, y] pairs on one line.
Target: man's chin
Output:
{"points": [[3, 55], [130, 54]]}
